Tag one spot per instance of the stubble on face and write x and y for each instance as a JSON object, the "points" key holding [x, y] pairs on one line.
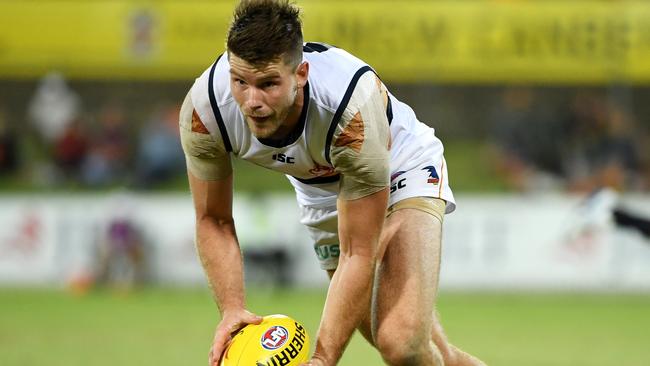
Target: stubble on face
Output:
{"points": [[273, 126], [267, 117]]}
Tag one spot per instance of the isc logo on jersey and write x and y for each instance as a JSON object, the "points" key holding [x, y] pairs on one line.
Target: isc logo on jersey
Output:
{"points": [[277, 341]]}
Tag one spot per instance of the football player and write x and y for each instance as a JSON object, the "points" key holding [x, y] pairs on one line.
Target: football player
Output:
{"points": [[370, 180]]}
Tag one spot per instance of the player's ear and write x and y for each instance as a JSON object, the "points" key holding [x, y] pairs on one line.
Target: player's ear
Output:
{"points": [[302, 72]]}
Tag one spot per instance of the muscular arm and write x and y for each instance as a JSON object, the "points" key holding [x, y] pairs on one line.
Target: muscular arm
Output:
{"points": [[360, 154], [220, 255], [216, 241], [348, 297], [210, 177]]}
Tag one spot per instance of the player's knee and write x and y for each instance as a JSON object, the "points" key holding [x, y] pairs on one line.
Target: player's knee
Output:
{"points": [[401, 346]]}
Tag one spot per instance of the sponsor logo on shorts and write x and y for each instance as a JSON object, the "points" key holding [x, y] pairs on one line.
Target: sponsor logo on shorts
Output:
{"points": [[325, 252], [433, 175], [274, 338]]}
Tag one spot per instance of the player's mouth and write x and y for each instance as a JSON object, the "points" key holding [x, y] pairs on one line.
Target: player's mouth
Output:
{"points": [[259, 120]]}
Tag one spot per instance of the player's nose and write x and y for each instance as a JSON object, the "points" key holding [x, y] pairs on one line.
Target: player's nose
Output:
{"points": [[254, 99]]}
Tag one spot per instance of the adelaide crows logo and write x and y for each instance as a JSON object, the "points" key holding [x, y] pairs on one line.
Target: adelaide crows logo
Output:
{"points": [[433, 175]]}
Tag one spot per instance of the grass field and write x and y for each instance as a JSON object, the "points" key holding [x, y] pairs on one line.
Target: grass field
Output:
{"points": [[174, 327]]}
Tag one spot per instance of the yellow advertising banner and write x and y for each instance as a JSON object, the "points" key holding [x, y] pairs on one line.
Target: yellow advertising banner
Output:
{"points": [[547, 42]]}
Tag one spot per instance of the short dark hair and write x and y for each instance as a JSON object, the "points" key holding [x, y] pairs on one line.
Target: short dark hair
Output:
{"points": [[262, 31]]}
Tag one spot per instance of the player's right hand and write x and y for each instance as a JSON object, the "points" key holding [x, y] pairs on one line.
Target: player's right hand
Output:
{"points": [[230, 324]]}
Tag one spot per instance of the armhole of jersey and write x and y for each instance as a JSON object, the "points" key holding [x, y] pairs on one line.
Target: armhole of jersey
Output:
{"points": [[389, 111], [389, 106], [341, 109], [215, 108]]}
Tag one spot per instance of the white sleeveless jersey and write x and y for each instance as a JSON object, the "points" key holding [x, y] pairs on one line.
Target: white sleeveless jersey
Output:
{"points": [[304, 156]]}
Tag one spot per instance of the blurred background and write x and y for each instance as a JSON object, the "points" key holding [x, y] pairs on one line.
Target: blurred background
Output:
{"points": [[543, 107]]}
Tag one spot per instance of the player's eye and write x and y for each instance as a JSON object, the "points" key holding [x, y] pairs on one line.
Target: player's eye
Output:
{"points": [[268, 84], [239, 82]]}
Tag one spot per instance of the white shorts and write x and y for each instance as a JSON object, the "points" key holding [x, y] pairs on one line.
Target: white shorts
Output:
{"points": [[425, 180]]}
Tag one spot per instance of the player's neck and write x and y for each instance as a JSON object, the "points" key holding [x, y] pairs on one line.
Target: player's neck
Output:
{"points": [[294, 114]]}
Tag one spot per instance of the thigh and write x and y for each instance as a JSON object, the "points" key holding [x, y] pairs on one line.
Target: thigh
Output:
{"points": [[408, 271]]}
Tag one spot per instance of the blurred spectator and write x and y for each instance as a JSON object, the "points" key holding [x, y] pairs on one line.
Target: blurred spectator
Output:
{"points": [[592, 145], [626, 219], [51, 110], [8, 146], [602, 150], [70, 150], [602, 208], [121, 247], [53, 107], [110, 148], [528, 141], [160, 156]]}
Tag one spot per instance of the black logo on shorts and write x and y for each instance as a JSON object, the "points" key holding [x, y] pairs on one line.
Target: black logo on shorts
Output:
{"points": [[398, 185]]}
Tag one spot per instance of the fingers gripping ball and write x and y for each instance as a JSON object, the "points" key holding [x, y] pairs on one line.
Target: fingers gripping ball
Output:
{"points": [[277, 341]]}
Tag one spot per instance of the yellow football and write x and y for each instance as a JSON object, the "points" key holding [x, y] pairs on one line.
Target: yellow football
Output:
{"points": [[278, 341]]}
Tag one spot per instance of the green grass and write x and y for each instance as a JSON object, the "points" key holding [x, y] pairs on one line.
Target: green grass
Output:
{"points": [[174, 327]]}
